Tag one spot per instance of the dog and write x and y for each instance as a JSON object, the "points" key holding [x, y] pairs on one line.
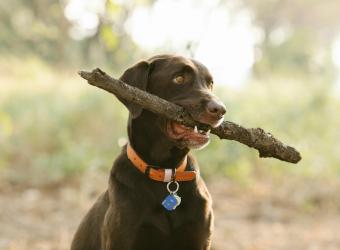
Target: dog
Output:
{"points": [[156, 199]]}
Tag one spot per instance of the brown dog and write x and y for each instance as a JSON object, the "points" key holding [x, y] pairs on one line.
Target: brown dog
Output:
{"points": [[133, 213]]}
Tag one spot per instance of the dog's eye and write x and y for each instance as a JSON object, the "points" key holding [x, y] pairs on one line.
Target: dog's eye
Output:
{"points": [[179, 79]]}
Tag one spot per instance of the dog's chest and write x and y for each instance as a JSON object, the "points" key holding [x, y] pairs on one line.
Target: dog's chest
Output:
{"points": [[165, 221]]}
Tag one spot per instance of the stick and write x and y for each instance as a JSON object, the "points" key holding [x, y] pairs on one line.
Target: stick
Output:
{"points": [[265, 143]]}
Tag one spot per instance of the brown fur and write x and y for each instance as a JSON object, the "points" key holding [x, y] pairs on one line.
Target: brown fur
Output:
{"points": [[129, 215]]}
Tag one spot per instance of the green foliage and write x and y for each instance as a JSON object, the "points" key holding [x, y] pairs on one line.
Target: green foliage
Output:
{"points": [[304, 118], [53, 126], [61, 127], [59, 130], [40, 29], [296, 36]]}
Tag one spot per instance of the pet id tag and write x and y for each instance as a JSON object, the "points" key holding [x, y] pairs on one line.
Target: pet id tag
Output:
{"points": [[172, 201]]}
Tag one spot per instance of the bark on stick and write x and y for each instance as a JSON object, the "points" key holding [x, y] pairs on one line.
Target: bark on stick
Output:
{"points": [[265, 143]]}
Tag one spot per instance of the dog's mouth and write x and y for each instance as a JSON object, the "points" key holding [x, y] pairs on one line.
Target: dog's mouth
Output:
{"points": [[190, 137]]}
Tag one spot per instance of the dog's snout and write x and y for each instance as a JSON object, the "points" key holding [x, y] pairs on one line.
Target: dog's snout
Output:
{"points": [[216, 108]]}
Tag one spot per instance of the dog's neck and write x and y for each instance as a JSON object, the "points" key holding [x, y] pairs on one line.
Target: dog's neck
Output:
{"points": [[152, 145]]}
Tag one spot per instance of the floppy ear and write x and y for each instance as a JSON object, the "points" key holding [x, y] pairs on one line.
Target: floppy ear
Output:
{"points": [[136, 76]]}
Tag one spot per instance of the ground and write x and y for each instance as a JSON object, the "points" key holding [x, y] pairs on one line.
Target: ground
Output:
{"points": [[264, 215]]}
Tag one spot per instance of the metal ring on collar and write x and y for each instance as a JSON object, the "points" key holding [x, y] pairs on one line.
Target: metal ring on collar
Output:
{"points": [[168, 187]]}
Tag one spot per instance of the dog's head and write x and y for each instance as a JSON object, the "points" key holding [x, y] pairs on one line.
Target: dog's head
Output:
{"points": [[182, 81]]}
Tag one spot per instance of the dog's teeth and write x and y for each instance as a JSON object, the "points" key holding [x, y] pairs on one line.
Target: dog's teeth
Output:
{"points": [[208, 132], [195, 129]]}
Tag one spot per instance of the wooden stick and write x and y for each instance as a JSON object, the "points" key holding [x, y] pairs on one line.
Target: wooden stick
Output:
{"points": [[265, 143]]}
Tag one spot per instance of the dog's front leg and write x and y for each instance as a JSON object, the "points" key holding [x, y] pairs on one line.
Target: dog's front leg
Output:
{"points": [[115, 237], [108, 231]]}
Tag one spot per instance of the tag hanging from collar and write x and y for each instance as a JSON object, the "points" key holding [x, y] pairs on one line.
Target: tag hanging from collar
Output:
{"points": [[172, 201]]}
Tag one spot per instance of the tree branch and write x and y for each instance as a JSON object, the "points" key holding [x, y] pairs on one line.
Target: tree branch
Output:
{"points": [[265, 143]]}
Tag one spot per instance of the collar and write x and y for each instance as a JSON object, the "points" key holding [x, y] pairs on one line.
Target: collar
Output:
{"points": [[160, 174]]}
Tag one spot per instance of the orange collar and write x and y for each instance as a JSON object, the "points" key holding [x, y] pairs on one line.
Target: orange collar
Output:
{"points": [[165, 174]]}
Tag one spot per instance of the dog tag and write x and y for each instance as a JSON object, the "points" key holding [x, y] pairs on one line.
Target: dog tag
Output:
{"points": [[178, 200], [171, 202]]}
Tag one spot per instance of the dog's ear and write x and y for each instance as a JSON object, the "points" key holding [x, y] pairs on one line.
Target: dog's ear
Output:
{"points": [[136, 76]]}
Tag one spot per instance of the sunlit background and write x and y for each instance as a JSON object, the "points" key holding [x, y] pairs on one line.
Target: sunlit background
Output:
{"points": [[276, 65]]}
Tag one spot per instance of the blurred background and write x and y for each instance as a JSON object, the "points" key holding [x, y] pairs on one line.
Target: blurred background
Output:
{"points": [[276, 65]]}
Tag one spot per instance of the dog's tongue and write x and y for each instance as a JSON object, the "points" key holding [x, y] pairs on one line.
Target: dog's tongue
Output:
{"points": [[178, 131], [179, 128]]}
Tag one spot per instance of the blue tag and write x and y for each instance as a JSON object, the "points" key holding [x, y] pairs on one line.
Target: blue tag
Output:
{"points": [[171, 202]]}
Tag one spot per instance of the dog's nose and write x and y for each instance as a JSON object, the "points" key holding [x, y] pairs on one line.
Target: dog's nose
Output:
{"points": [[216, 108]]}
